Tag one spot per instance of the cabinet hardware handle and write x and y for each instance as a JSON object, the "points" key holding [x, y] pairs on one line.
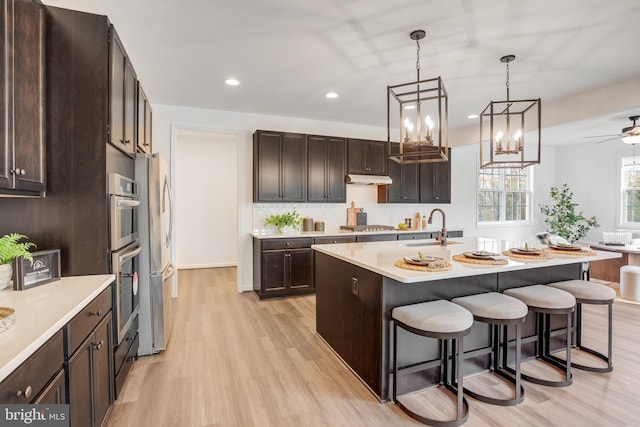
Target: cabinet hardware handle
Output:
{"points": [[96, 313], [26, 393], [99, 345], [126, 141], [288, 244], [18, 171]]}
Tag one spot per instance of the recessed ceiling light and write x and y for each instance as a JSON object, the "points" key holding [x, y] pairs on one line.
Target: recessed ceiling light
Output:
{"points": [[232, 82], [472, 116], [331, 95]]}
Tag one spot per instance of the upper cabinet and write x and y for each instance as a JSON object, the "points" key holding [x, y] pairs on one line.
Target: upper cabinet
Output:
{"points": [[326, 166], [144, 122], [280, 167], [367, 157], [22, 93], [435, 182], [123, 98], [418, 183]]}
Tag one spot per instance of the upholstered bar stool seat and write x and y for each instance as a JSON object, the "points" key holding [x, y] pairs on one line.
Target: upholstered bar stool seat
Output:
{"points": [[545, 301], [586, 292], [498, 310], [444, 321]]}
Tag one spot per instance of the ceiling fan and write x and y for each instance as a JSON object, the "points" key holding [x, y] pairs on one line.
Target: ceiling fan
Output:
{"points": [[629, 135]]}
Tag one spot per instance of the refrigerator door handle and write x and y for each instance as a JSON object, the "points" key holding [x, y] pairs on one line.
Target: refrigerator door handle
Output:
{"points": [[129, 254], [167, 191], [128, 202]]}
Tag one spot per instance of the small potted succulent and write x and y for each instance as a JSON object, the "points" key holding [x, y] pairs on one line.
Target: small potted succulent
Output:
{"points": [[10, 248]]}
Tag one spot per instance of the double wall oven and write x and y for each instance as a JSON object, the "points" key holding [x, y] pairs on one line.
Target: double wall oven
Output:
{"points": [[125, 248]]}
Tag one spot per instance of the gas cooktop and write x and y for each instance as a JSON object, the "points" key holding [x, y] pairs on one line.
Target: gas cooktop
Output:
{"points": [[366, 227]]}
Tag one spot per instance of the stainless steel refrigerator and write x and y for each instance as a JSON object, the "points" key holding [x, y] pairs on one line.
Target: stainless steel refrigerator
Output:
{"points": [[156, 270]]}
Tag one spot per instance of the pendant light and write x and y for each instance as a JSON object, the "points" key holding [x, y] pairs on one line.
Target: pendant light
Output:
{"points": [[510, 131], [417, 112]]}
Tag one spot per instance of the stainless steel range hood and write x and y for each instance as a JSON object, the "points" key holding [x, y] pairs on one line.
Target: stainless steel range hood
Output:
{"points": [[368, 179]]}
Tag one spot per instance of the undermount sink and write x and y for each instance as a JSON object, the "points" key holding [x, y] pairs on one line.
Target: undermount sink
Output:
{"points": [[417, 245]]}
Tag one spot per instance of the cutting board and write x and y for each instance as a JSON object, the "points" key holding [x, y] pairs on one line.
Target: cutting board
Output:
{"points": [[352, 214]]}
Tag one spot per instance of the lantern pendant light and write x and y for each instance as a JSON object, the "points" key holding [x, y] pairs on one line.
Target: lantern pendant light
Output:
{"points": [[503, 127], [418, 113]]}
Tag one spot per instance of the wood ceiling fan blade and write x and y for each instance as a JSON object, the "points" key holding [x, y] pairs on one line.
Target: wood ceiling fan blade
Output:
{"points": [[608, 139], [604, 136]]}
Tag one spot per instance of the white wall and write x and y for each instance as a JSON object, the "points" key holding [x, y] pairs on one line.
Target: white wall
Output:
{"points": [[205, 198]]}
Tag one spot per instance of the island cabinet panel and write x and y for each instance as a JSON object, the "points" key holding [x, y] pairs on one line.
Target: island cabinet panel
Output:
{"points": [[366, 157], [22, 98], [282, 267], [348, 316], [435, 182], [280, 167], [326, 168]]}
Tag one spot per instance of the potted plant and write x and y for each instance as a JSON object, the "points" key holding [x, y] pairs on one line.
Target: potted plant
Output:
{"points": [[289, 219], [9, 250], [561, 216]]}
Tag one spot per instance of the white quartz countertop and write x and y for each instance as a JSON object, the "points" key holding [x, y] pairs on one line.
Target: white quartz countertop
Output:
{"points": [[380, 257], [334, 233], [42, 311]]}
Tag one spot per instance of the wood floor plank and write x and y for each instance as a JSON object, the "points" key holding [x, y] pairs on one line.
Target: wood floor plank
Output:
{"points": [[236, 361]]}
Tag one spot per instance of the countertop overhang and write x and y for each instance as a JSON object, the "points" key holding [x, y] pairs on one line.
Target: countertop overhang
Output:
{"points": [[42, 311], [380, 257]]}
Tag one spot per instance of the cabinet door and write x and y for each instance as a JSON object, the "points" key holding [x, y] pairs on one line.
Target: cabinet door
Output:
{"points": [[273, 271], [143, 116], [79, 381], [300, 269], [377, 158], [129, 108], [28, 95], [357, 156], [55, 393], [116, 92], [102, 370], [317, 168], [267, 151], [336, 170], [404, 188], [294, 168], [435, 182]]}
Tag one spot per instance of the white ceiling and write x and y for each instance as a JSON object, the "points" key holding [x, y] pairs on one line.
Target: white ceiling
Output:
{"points": [[288, 53]]}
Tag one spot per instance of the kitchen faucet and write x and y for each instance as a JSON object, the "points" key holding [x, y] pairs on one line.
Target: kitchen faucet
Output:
{"points": [[443, 237]]}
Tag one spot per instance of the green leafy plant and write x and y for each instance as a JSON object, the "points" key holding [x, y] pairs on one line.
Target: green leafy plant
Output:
{"points": [[561, 216], [10, 248], [291, 219]]}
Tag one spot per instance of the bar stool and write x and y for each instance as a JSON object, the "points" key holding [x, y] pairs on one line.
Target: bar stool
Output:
{"points": [[586, 292], [445, 321], [545, 301], [498, 310]]}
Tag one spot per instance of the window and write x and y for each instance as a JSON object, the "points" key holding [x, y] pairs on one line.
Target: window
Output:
{"points": [[504, 195], [630, 192]]}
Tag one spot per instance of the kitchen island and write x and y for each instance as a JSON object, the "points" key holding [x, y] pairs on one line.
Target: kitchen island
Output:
{"points": [[357, 286]]}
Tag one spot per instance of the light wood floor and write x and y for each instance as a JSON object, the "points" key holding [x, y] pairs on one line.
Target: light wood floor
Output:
{"points": [[236, 361]]}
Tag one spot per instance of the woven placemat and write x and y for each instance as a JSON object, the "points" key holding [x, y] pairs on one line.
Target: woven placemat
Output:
{"points": [[462, 258], [403, 264], [544, 255], [587, 252]]}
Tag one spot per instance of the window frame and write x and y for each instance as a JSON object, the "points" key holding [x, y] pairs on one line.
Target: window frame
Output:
{"points": [[503, 197], [622, 199]]}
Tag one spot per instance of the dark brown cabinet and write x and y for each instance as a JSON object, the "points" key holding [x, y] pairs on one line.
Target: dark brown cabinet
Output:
{"points": [[280, 167], [326, 168], [90, 372], [405, 187], [22, 98], [31, 381], [282, 267], [123, 98], [435, 182], [376, 237], [144, 117], [366, 157]]}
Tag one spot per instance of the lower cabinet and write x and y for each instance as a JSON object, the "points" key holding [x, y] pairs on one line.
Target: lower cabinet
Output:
{"points": [[55, 393], [283, 267]]}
